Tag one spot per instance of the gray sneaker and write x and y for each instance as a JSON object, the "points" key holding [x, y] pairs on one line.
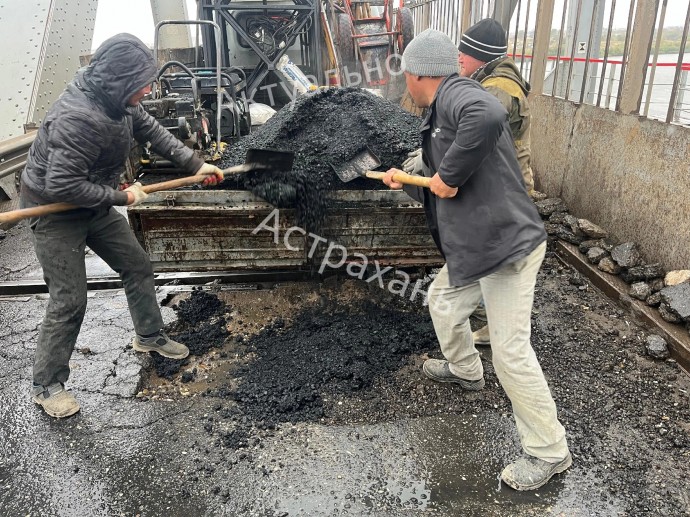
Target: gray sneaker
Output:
{"points": [[481, 336], [55, 400], [438, 370], [529, 473], [162, 345]]}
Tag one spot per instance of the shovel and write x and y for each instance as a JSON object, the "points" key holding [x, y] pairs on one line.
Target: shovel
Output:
{"points": [[360, 165], [256, 159]]}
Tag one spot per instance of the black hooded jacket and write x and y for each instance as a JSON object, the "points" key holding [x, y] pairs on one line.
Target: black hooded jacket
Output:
{"points": [[491, 222], [83, 144]]}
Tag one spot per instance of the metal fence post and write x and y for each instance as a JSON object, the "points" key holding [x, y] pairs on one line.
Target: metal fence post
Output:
{"points": [[678, 104], [640, 46], [609, 89], [540, 52]]}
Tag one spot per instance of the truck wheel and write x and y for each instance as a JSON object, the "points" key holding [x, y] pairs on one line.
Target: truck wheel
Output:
{"points": [[405, 28], [345, 44]]}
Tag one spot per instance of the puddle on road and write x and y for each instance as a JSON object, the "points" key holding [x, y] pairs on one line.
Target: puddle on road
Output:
{"points": [[463, 456], [436, 465]]}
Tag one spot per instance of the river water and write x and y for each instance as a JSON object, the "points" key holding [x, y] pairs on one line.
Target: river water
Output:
{"points": [[655, 107]]}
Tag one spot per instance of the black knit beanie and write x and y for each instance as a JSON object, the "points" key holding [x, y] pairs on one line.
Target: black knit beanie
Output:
{"points": [[485, 40]]}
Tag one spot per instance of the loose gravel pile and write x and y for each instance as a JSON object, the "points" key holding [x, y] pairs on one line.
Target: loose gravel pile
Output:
{"points": [[325, 128]]}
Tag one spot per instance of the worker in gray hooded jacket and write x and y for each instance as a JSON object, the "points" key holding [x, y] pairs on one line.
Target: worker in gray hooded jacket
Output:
{"points": [[488, 229], [78, 157]]}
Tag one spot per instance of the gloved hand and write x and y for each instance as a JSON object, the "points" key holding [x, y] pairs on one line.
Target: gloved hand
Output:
{"points": [[213, 174], [414, 164], [137, 194]]}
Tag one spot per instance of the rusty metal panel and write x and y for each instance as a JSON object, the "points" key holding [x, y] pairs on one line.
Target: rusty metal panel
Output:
{"points": [[203, 230], [198, 238]]}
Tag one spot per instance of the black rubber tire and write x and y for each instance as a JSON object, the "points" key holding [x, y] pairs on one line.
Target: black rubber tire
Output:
{"points": [[345, 43], [405, 25]]}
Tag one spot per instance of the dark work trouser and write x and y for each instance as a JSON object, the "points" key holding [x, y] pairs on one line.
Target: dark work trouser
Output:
{"points": [[60, 241]]}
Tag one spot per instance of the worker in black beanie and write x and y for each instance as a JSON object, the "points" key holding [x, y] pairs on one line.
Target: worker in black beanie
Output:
{"points": [[485, 41], [483, 57]]}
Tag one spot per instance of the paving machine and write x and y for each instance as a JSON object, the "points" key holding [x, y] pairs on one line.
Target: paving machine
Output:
{"points": [[202, 106], [256, 34]]}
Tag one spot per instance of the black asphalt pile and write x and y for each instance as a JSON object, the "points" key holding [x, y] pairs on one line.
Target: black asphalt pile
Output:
{"points": [[325, 355], [336, 364], [201, 326], [197, 308], [326, 128]]}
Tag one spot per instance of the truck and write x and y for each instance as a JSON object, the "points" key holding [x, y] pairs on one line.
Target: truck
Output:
{"points": [[216, 230]]}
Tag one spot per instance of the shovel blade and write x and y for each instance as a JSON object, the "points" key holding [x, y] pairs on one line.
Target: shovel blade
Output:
{"points": [[358, 166], [270, 159]]}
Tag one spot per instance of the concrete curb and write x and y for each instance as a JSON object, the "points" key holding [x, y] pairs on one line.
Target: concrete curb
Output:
{"points": [[616, 289]]}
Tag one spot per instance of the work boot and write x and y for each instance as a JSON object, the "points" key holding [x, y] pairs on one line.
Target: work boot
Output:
{"points": [[161, 344], [529, 473], [439, 370], [481, 336], [55, 400]]}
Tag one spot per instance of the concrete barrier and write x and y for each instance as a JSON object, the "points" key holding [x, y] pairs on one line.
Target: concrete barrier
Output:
{"points": [[628, 174]]}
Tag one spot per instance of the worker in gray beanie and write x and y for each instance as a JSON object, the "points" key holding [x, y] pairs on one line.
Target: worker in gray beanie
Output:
{"points": [[489, 232], [428, 55], [431, 54]]}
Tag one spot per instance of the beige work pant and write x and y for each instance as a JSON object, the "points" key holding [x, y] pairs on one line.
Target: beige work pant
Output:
{"points": [[508, 294]]}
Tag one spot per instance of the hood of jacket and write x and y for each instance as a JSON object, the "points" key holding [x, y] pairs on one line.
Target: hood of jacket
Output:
{"points": [[121, 66], [502, 67]]}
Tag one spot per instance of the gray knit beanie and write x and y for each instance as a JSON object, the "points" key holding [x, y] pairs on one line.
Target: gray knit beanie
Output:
{"points": [[430, 54]]}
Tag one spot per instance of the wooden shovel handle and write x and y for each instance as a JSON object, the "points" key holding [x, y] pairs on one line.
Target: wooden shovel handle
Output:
{"points": [[41, 210], [402, 177], [188, 181], [14, 216]]}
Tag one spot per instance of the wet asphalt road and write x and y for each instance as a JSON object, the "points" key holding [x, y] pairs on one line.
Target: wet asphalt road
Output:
{"points": [[124, 456], [121, 456]]}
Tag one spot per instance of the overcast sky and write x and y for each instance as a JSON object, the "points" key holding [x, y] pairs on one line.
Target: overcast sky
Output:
{"points": [[676, 11], [134, 16]]}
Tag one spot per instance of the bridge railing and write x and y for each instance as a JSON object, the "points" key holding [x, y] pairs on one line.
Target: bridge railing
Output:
{"points": [[622, 55]]}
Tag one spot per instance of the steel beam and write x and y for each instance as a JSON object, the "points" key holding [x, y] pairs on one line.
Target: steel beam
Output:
{"points": [[28, 287], [174, 36], [40, 55]]}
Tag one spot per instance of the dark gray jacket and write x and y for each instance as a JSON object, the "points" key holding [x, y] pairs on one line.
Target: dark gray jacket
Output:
{"points": [[491, 222], [83, 144]]}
